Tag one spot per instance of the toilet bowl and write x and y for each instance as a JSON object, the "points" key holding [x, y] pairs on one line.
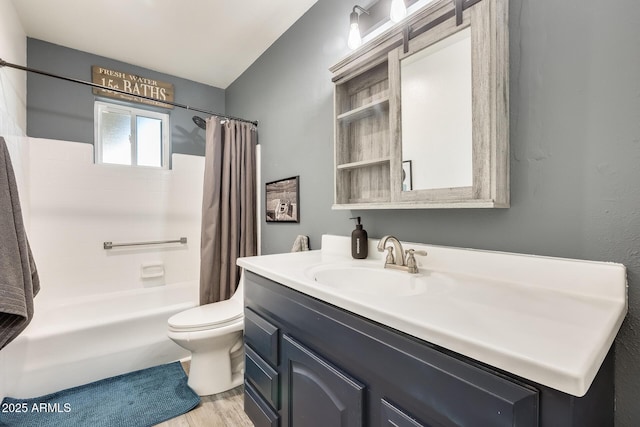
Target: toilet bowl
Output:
{"points": [[213, 335]]}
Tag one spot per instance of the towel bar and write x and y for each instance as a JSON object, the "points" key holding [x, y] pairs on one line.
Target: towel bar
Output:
{"points": [[110, 245]]}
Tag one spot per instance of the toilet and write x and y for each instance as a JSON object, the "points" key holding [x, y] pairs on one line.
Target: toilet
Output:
{"points": [[213, 335]]}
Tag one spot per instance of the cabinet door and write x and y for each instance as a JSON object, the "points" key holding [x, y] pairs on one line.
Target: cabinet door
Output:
{"points": [[315, 393]]}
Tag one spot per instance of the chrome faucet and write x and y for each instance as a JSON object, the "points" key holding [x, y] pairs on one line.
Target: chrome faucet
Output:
{"points": [[398, 261]]}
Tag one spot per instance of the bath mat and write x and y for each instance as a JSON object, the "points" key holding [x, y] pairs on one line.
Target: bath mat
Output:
{"points": [[137, 399]]}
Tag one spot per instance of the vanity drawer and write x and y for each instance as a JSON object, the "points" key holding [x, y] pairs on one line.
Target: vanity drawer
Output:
{"points": [[262, 376], [261, 335], [392, 416], [258, 411]]}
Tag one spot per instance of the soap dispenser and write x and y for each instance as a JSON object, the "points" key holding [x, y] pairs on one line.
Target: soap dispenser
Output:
{"points": [[359, 243]]}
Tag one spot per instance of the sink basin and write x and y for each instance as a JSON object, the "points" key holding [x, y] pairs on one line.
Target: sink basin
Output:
{"points": [[376, 280]]}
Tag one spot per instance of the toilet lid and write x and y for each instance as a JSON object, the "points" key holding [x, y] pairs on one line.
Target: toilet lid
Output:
{"points": [[207, 316]]}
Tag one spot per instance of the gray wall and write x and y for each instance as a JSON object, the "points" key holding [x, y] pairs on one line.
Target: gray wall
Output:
{"points": [[575, 146], [57, 109]]}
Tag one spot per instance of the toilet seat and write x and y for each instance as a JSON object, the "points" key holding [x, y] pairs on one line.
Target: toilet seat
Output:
{"points": [[208, 316]]}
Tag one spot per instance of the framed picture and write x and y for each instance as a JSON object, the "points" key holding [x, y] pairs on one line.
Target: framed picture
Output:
{"points": [[407, 181], [283, 200]]}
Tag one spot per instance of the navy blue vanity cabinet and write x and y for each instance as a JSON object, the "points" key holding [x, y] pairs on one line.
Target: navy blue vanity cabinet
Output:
{"points": [[312, 364]]}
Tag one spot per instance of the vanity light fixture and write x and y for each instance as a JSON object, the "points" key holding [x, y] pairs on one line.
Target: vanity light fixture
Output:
{"points": [[355, 40], [398, 10]]}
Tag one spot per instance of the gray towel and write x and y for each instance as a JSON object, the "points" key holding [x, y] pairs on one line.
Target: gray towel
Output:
{"points": [[19, 281]]}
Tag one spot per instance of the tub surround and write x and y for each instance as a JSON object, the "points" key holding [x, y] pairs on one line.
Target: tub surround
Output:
{"points": [[76, 205], [549, 320]]}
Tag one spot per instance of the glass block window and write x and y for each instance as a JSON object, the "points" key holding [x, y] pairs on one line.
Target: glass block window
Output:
{"points": [[131, 136]]}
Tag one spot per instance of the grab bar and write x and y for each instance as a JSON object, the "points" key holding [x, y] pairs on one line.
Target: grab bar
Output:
{"points": [[110, 245]]}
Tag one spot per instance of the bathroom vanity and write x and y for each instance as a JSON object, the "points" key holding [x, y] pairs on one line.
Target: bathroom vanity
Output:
{"points": [[474, 346]]}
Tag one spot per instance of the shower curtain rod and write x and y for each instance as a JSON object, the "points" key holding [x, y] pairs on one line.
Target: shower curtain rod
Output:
{"points": [[4, 63]]}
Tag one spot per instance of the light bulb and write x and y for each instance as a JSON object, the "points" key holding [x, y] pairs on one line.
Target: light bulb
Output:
{"points": [[398, 10], [354, 41]]}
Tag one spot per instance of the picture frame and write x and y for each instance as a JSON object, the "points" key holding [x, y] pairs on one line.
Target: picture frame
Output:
{"points": [[407, 179], [283, 200]]}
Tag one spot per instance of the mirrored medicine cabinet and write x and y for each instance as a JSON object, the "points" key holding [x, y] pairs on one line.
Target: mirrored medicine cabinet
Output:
{"points": [[422, 117]]}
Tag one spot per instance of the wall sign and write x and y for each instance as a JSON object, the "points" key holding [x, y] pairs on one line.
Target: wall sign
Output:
{"points": [[132, 84]]}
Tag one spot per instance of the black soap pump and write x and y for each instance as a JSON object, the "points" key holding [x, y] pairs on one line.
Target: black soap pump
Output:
{"points": [[359, 243]]}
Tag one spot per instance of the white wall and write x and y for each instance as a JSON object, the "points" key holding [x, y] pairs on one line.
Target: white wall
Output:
{"points": [[13, 112], [13, 83], [77, 205], [13, 92]]}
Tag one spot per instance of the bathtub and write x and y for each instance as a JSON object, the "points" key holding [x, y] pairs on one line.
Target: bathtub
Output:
{"points": [[77, 341]]}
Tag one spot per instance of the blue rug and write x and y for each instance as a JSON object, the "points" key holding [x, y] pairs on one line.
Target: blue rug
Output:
{"points": [[137, 399]]}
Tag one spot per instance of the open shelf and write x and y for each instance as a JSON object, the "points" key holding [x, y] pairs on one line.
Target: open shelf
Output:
{"points": [[362, 140], [379, 105], [363, 163]]}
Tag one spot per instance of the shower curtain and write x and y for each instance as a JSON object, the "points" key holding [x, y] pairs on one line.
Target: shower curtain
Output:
{"points": [[228, 206]]}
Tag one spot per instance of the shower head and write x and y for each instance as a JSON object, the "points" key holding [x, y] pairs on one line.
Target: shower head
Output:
{"points": [[200, 122]]}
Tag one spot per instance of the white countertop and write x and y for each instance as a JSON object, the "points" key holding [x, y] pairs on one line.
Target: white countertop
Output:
{"points": [[550, 320]]}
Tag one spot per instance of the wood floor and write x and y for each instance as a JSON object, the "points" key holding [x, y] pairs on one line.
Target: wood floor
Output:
{"points": [[218, 410]]}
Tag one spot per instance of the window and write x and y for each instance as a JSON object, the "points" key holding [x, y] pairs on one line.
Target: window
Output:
{"points": [[131, 136]]}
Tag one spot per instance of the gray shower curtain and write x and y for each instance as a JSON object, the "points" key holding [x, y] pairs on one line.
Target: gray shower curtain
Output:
{"points": [[228, 206]]}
